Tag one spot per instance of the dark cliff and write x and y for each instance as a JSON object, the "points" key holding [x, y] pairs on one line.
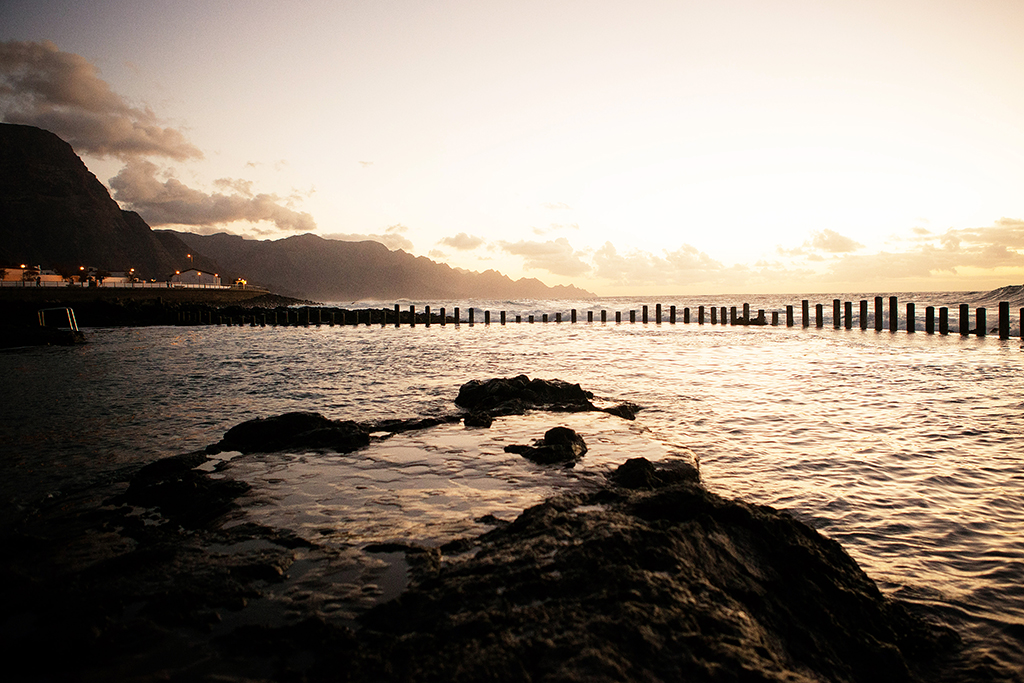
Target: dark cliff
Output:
{"points": [[55, 213]]}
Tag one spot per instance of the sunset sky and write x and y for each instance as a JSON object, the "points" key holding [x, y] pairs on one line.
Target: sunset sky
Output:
{"points": [[679, 147]]}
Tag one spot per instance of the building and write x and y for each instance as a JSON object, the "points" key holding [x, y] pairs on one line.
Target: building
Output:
{"points": [[195, 277]]}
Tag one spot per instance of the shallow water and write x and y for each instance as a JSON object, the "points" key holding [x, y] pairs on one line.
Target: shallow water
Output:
{"points": [[904, 448]]}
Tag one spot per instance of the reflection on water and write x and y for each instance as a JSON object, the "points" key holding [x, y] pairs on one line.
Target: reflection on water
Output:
{"points": [[905, 448]]}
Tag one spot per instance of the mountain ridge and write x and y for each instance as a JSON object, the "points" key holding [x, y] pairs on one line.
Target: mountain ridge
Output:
{"points": [[56, 214]]}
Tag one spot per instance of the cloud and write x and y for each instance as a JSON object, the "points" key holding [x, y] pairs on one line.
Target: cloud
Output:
{"points": [[832, 242], [556, 206], [555, 256], [462, 241], [392, 238], [63, 93], [364, 164], [171, 202]]}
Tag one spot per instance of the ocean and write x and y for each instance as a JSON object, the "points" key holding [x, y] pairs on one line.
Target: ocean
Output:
{"points": [[904, 448]]}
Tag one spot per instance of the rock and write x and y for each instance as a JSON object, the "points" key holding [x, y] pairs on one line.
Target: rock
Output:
{"points": [[640, 473], [560, 445], [515, 395], [625, 410], [670, 584], [293, 432], [478, 419]]}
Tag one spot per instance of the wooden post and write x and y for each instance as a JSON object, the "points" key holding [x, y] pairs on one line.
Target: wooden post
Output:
{"points": [[943, 320], [443, 320], [686, 315], [789, 317], [700, 315], [604, 316], [819, 316], [894, 313], [836, 316], [714, 315], [398, 316], [965, 323], [863, 314], [455, 315], [805, 314], [572, 316], [672, 315], [471, 315], [590, 316], [531, 319], [979, 322], [426, 315], [746, 314], [369, 317], [657, 314], [487, 317], [848, 308], [732, 315], [618, 317], [632, 317], [722, 316], [911, 319], [878, 314], [775, 318], [412, 316], [503, 317], [645, 314], [519, 318], [1004, 319], [929, 320], [558, 317]]}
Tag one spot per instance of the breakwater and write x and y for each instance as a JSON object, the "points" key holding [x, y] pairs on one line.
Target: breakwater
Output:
{"points": [[881, 314]]}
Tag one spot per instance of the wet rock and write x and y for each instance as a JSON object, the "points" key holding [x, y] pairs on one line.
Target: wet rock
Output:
{"points": [[478, 419], [674, 583], [294, 431], [514, 395], [641, 473], [560, 445], [625, 410]]}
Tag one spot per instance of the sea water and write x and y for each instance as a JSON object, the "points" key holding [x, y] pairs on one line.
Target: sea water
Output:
{"points": [[905, 448]]}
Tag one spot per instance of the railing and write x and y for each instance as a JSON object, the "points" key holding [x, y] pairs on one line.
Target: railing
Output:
{"points": [[120, 285]]}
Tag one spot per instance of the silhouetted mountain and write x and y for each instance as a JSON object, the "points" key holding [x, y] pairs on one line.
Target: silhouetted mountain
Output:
{"points": [[330, 270], [54, 213]]}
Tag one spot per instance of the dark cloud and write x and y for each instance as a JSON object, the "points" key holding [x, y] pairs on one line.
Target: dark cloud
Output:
{"points": [[166, 202], [63, 93], [555, 256], [462, 241]]}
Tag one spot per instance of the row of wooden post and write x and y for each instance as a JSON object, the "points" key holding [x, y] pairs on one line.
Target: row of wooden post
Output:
{"points": [[842, 316]]}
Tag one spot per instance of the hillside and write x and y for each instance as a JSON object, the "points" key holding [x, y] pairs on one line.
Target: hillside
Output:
{"points": [[55, 213], [329, 270]]}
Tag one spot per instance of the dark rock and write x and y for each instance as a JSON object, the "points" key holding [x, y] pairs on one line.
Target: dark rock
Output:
{"points": [[514, 395], [294, 431], [671, 584], [478, 419], [640, 473], [626, 410], [560, 445]]}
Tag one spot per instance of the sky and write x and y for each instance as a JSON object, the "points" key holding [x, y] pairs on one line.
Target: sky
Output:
{"points": [[737, 146]]}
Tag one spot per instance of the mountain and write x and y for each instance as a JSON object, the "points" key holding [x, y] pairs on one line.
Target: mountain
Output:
{"points": [[55, 213], [330, 270]]}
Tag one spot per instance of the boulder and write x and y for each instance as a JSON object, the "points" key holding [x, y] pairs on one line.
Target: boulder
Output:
{"points": [[294, 432], [641, 473], [515, 395], [560, 445]]}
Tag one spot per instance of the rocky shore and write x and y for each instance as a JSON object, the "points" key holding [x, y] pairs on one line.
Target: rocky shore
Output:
{"points": [[646, 576]]}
